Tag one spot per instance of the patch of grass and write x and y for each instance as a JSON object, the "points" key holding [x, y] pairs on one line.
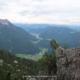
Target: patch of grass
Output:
{"points": [[33, 57]]}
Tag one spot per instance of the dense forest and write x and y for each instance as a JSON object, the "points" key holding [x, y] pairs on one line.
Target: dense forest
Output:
{"points": [[14, 68]]}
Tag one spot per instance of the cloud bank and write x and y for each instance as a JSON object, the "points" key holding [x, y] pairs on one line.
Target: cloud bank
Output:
{"points": [[41, 11]]}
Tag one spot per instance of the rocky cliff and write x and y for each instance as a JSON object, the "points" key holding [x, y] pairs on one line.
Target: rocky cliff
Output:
{"points": [[68, 63]]}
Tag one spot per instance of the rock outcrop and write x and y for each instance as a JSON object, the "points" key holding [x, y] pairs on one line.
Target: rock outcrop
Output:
{"points": [[68, 63]]}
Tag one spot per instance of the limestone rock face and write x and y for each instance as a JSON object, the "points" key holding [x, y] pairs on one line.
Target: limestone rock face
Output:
{"points": [[68, 64]]}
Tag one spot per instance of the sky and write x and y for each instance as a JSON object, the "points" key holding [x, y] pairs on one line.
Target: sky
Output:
{"points": [[41, 11]]}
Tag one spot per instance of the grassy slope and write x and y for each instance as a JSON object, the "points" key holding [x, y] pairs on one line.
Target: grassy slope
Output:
{"points": [[33, 57]]}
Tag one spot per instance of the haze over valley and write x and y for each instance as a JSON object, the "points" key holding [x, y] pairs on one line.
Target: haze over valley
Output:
{"points": [[29, 38]]}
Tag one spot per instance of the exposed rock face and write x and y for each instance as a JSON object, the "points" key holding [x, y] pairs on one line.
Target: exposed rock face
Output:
{"points": [[68, 63]]}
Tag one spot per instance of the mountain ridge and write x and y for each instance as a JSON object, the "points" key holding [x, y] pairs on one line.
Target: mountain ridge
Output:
{"points": [[65, 34], [15, 39]]}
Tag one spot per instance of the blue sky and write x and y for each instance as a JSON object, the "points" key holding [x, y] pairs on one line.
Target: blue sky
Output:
{"points": [[41, 11]]}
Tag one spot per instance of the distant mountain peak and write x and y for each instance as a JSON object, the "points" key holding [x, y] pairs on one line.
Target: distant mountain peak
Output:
{"points": [[4, 22]]}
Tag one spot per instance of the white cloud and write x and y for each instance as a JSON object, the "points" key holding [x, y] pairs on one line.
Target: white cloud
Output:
{"points": [[49, 11]]}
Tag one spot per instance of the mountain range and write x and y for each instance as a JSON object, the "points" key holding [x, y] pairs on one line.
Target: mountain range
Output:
{"points": [[15, 39], [32, 38], [66, 35]]}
